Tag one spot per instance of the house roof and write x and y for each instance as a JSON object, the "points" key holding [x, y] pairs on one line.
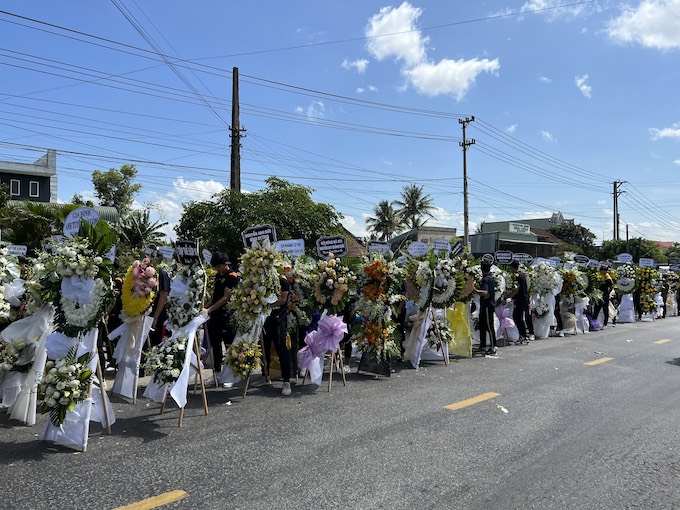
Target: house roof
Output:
{"points": [[546, 235], [355, 247]]}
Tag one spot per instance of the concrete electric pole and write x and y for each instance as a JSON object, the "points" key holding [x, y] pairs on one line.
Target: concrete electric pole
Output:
{"points": [[465, 144]]}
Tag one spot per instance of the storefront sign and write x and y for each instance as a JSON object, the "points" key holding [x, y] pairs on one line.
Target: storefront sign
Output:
{"points": [[519, 228]]}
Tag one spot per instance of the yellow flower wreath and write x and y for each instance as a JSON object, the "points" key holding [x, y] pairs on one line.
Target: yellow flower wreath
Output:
{"points": [[134, 305]]}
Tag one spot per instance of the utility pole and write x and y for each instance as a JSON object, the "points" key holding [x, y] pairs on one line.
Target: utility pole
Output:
{"points": [[627, 246], [235, 135], [465, 144], [616, 194]]}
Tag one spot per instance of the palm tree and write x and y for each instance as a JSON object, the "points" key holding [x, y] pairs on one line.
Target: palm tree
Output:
{"points": [[137, 231], [414, 208], [384, 222], [31, 223]]}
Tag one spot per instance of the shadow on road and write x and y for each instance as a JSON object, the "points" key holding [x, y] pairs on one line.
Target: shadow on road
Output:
{"points": [[675, 361]]}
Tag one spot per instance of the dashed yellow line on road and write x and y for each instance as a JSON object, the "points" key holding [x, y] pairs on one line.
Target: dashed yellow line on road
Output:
{"points": [[470, 401], [664, 341], [598, 361], [156, 501]]}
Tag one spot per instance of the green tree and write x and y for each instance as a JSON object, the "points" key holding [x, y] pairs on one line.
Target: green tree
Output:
{"points": [[5, 197], [673, 252], [79, 200], [136, 231], [414, 207], [288, 207], [31, 223], [637, 247], [385, 221], [577, 235], [115, 188]]}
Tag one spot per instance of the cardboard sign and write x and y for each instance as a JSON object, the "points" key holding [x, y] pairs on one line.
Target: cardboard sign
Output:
{"points": [[418, 248], [522, 258], [457, 248], [337, 245], [594, 263], [168, 252], [293, 247], [76, 217], [539, 260], [186, 252], [503, 256], [646, 262], [624, 257], [258, 233], [17, 250], [487, 257], [441, 245], [378, 247]]}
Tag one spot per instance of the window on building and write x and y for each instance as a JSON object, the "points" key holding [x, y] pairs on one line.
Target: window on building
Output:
{"points": [[14, 187], [34, 189]]}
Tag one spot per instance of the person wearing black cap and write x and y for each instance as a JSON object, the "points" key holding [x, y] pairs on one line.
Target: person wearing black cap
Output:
{"points": [[220, 330], [520, 298]]}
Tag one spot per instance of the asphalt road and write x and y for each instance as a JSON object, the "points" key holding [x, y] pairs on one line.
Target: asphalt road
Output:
{"points": [[560, 434]]}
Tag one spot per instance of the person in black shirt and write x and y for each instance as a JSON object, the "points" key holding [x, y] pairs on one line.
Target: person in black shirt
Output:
{"points": [[487, 294], [158, 312], [606, 287], [520, 298], [220, 330], [275, 329]]}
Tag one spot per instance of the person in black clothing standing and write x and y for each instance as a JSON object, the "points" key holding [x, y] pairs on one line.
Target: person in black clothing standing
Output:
{"points": [[275, 329], [520, 298], [220, 331], [487, 295], [159, 314], [606, 286]]}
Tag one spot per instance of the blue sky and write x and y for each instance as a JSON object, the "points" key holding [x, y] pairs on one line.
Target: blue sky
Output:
{"points": [[358, 99]]}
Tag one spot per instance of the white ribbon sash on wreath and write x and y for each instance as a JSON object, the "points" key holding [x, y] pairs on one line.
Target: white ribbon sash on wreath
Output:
{"points": [[417, 337], [14, 291], [626, 309], [128, 353], [506, 325], [582, 323], [22, 398], [75, 429], [78, 289], [178, 390], [543, 323], [433, 353], [226, 375]]}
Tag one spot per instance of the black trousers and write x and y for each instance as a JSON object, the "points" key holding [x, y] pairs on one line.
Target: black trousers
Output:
{"points": [[604, 306], [275, 329], [486, 325], [520, 315], [219, 332]]}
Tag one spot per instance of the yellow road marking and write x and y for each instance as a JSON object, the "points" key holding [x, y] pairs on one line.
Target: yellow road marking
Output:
{"points": [[664, 341], [156, 501], [598, 361], [474, 400]]}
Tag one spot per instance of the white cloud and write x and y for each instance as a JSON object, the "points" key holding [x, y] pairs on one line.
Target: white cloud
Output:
{"points": [[677, 162], [443, 218], [552, 9], [450, 77], [545, 80], [359, 64], [351, 224], [602, 202], [548, 136], [314, 110], [653, 24], [672, 132], [167, 207], [511, 129], [582, 85], [393, 34], [360, 90], [386, 162], [373, 88]]}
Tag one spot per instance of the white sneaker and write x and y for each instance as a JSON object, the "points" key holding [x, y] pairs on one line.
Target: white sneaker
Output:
{"points": [[560, 334], [227, 385], [286, 389], [531, 338]]}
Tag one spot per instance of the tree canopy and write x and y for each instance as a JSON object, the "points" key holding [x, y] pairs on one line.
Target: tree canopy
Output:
{"points": [[115, 188], [637, 247], [286, 206], [414, 207], [385, 221], [577, 235]]}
